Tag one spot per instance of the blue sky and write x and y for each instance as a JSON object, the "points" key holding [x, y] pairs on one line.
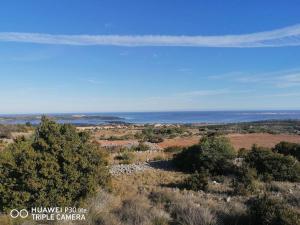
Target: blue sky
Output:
{"points": [[148, 55]]}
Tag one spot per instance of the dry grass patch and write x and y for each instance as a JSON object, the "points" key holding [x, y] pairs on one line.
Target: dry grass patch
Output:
{"points": [[125, 185]]}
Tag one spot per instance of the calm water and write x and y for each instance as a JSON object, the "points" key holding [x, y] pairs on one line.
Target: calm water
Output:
{"points": [[166, 117]]}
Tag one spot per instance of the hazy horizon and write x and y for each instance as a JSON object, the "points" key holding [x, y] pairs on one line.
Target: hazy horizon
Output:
{"points": [[153, 111]]}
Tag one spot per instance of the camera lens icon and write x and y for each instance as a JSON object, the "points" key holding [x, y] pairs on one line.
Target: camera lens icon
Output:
{"points": [[16, 213]]}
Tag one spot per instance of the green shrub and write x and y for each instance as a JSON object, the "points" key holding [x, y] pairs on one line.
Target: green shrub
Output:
{"points": [[269, 211], [287, 148], [270, 165], [187, 213], [142, 147], [161, 197], [157, 135], [155, 139], [214, 153], [134, 211], [58, 166], [245, 181], [242, 152], [173, 149], [5, 133], [158, 158], [125, 157], [197, 181]]}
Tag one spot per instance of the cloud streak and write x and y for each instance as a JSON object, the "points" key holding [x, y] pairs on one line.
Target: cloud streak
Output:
{"points": [[288, 36], [278, 79]]}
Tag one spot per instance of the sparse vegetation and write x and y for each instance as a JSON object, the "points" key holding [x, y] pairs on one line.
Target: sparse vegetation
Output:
{"points": [[157, 135], [7, 130], [272, 127], [208, 184], [197, 181], [173, 149], [187, 213], [270, 211], [141, 147], [125, 157]]}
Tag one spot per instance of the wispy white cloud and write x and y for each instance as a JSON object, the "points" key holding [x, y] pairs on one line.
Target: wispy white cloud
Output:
{"points": [[92, 81], [288, 94], [288, 36], [200, 93], [184, 70], [279, 79]]}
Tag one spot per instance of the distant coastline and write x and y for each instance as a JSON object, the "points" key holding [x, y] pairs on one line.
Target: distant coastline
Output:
{"points": [[188, 117]]}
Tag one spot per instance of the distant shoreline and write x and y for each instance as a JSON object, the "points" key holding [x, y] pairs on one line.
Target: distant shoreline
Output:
{"points": [[188, 117]]}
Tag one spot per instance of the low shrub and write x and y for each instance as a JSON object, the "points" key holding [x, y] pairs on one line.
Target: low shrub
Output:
{"points": [[126, 157], [5, 133], [197, 181], [134, 212], [158, 158], [156, 135], [160, 221], [142, 147], [287, 148], [245, 181], [155, 139], [242, 152], [269, 211], [213, 153], [273, 166], [187, 213], [173, 149], [160, 197]]}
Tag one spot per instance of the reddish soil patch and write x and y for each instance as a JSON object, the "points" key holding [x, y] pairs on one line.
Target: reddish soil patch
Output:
{"points": [[182, 142], [237, 140], [264, 140]]}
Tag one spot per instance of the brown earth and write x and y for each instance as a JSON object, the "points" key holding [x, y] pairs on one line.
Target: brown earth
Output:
{"points": [[263, 139], [181, 142], [238, 140]]}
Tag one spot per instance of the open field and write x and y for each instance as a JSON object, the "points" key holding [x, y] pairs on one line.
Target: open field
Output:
{"points": [[261, 139], [238, 140]]}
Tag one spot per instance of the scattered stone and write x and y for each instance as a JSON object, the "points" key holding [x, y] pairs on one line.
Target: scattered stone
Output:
{"points": [[215, 182], [228, 199], [116, 170]]}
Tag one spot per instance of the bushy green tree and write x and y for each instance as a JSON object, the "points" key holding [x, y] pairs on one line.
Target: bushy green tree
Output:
{"points": [[57, 167], [270, 165], [213, 153], [288, 148]]}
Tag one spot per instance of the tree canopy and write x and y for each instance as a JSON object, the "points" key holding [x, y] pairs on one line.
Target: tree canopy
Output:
{"points": [[57, 166]]}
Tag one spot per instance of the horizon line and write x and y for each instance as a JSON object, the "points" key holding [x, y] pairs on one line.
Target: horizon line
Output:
{"points": [[156, 111]]}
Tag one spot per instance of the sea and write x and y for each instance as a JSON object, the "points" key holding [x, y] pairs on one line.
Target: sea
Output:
{"points": [[182, 117]]}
